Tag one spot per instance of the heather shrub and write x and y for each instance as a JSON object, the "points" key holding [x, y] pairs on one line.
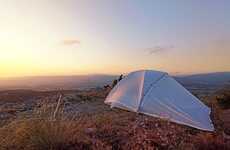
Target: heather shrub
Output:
{"points": [[224, 100], [207, 141]]}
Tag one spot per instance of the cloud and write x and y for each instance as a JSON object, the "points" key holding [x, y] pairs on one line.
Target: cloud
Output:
{"points": [[70, 42], [158, 49]]}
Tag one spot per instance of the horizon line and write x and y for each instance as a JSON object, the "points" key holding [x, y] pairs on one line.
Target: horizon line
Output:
{"points": [[95, 74]]}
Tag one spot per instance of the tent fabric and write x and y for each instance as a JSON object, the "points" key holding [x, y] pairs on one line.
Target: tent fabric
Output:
{"points": [[157, 94]]}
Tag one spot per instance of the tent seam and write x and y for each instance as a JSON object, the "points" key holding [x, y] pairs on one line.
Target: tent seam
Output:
{"points": [[140, 96], [143, 94]]}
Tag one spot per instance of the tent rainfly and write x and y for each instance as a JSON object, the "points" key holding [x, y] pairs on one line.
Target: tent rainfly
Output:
{"points": [[157, 94]]}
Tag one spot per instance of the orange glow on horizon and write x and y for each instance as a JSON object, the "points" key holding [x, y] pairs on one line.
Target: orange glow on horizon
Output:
{"points": [[88, 38]]}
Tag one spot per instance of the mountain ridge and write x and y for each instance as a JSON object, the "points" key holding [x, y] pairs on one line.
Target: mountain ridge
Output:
{"points": [[99, 80]]}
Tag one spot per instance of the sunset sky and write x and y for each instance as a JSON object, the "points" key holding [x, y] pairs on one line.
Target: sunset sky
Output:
{"points": [[68, 37]]}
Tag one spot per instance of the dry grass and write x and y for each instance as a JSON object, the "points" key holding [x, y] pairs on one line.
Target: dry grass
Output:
{"points": [[39, 134], [49, 127], [45, 129], [124, 131], [211, 142]]}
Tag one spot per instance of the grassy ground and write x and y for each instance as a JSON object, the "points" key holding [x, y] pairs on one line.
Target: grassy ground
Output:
{"points": [[54, 126]]}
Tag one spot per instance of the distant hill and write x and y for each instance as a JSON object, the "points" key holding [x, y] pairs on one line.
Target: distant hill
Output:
{"points": [[197, 81], [57, 82], [205, 83], [215, 79]]}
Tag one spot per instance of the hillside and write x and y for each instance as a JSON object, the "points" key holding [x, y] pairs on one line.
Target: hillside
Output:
{"points": [[45, 83], [205, 84], [211, 82], [220, 102], [83, 121], [208, 79]]}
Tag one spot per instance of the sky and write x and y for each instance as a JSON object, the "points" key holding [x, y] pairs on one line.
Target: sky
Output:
{"points": [[71, 37]]}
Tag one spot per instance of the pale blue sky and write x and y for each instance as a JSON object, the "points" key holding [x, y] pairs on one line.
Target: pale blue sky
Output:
{"points": [[54, 37]]}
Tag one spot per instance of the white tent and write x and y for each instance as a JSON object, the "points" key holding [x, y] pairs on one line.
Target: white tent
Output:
{"points": [[157, 94]]}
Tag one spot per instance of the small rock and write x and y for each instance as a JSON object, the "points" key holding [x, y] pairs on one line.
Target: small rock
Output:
{"points": [[89, 130], [156, 125]]}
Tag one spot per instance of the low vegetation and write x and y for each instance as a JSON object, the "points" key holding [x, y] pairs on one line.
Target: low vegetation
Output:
{"points": [[224, 100], [51, 127]]}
